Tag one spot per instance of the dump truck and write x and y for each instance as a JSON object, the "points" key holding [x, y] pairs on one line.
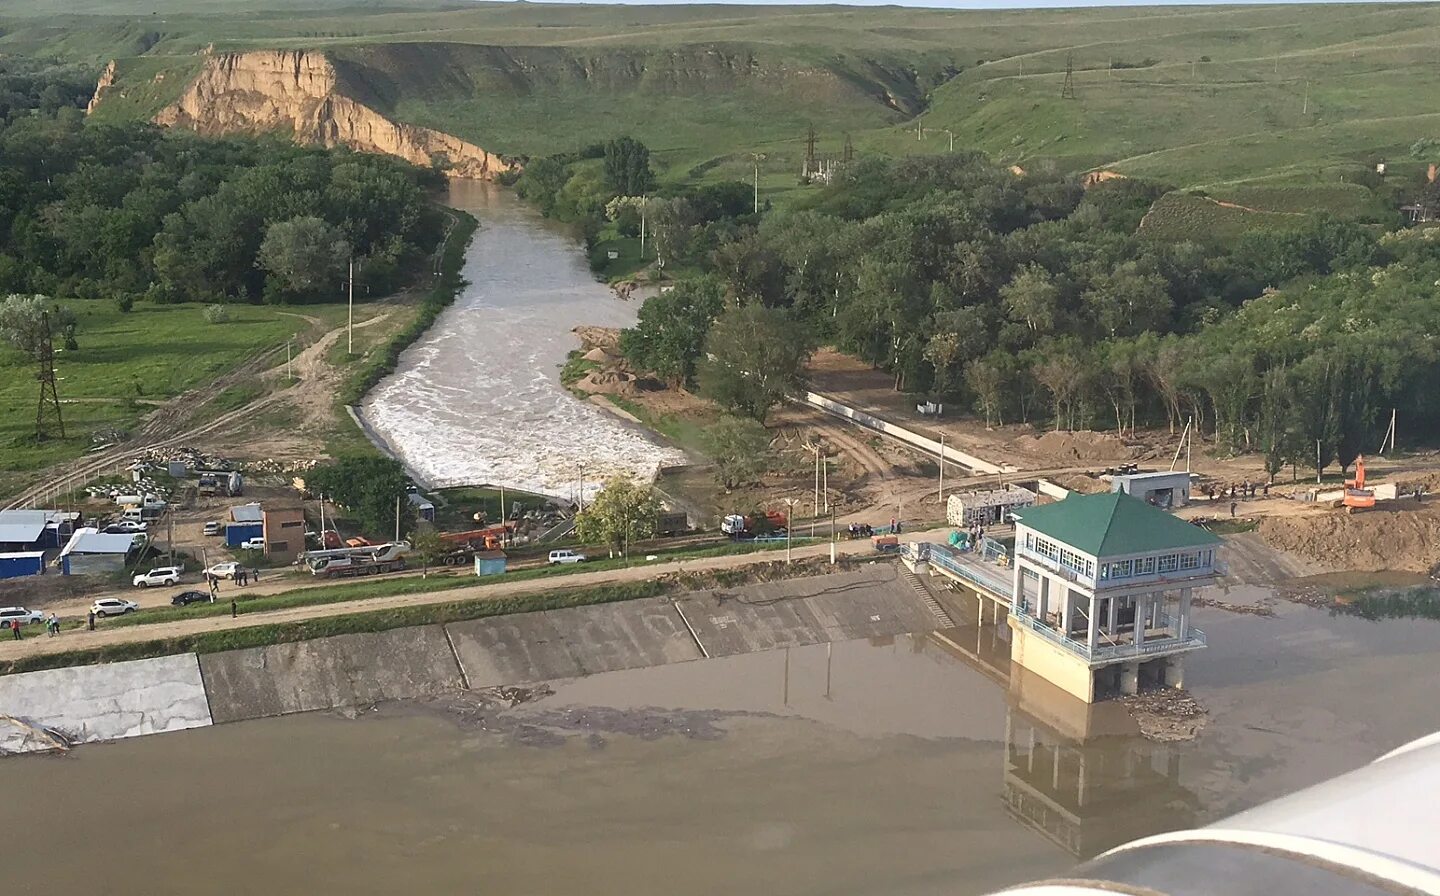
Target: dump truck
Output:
{"points": [[671, 522], [362, 561], [770, 522]]}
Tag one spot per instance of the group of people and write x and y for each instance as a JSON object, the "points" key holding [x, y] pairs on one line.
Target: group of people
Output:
{"points": [[243, 577], [52, 627]]}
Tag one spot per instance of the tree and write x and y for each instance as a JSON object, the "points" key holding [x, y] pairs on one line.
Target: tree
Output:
{"points": [[303, 254], [669, 336], [754, 356], [739, 447], [22, 323], [1062, 367], [1032, 296], [990, 378], [427, 543], [621, 512], [627, 167], [369, 487]]}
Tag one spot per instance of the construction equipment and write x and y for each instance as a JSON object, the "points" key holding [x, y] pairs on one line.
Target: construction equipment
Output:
{"points": [[770, 523], [1357, 496], [361, 561], [463, 545]]}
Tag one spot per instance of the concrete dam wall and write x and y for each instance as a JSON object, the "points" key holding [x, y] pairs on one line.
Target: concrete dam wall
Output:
{"points": [[45, 710]]}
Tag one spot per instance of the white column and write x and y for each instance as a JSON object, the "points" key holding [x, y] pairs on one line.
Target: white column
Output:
{"points": [[1182, 626], [1067, 610], [1094, 630], [1114, 615], [1017, 594], [1142, 610]]}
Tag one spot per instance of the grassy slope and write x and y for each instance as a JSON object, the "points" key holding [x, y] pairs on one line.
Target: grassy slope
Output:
{"points": [[150, 354]]}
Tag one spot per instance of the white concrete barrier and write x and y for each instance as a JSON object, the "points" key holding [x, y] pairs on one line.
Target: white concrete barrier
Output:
{"points": [[109, 701], [1051, 489], [870, 421]]}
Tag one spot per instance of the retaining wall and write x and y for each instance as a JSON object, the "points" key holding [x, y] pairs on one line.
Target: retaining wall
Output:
{"points": [[116, 700], [870, 421]]}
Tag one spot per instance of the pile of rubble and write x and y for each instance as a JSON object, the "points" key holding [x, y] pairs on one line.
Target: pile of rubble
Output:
{"points": [[1166, 714]]}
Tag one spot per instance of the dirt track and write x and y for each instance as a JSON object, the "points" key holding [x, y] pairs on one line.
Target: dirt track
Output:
{"points": [[77, 640]]}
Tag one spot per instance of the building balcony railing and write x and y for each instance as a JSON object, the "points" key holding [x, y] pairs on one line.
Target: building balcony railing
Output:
{"points": [[1154, 645], [1055, 567]]}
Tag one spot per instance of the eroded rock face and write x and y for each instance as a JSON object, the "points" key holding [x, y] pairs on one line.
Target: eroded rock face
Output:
{"points": [[296, 91], [107, 81]]}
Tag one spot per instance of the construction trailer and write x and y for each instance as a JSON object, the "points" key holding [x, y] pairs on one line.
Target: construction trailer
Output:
{"points": [[489, 563], [283, 529], [22, 563], [1165, 489], [986, 508]]}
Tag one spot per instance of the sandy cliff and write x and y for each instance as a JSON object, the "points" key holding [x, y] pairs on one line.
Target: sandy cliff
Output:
{"points": [[296, 91]]}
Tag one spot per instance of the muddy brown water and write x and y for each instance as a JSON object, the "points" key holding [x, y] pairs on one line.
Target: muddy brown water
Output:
{"points": [[897, 766]]}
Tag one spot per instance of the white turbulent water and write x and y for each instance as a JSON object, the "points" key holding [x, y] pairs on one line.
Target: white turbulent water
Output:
{"points": [[478, 400]]}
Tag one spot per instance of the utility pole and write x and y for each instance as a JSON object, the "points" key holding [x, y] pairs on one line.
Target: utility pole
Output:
{"points": [[288, 375], [810, 166], [919, 132], [757, 158], [1305, 105], [816, 505], [350, 310], [48, 422], [951, 135], [397, 518], [642, 228], [848, 152], [942, 473], [1067, 90]]}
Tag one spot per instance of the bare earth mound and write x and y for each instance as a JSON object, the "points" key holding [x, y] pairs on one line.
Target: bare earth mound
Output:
{"points": [[608, 382], [606, 339], [1374, 540], [1077, 446]]}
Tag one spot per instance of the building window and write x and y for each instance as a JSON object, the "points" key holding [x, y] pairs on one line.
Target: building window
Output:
{"points": [[1189, 561], [291, 524], [1168, 563], [1145, 567], [1120, 569]]}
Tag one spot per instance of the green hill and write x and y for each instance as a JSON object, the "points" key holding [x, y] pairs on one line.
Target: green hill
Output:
{"points": [[1206, 97]]}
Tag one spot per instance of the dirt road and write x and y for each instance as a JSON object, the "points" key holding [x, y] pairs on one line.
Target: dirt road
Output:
{"points": [[78, 640]]}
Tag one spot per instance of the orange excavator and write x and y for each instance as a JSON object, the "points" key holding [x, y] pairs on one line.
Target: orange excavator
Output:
{"points": [[1357, 496]]}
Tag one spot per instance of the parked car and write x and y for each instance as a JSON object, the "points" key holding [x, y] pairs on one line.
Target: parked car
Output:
{"points": [[212, 527], [565, 555], [124, 527], [160, 575], [26, 617], [113, 606], [186, 598], [254, 544], [222, 570]]}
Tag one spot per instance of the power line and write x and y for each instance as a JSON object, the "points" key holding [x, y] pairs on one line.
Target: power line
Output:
{"points": [[48, 423]]}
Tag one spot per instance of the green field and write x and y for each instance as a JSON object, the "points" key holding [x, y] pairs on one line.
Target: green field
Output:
{"points": [[127, 363], [1194, 96]]}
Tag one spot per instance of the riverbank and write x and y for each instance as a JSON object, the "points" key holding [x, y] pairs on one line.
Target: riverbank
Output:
{"points": [[361, 659]]}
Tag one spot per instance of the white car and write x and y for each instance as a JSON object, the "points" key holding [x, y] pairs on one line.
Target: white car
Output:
{"points": [[124, 527], [160, 575], [566, 556], [26, 617], [212, 527], [222, 570], [113, 606], [255, 544]]}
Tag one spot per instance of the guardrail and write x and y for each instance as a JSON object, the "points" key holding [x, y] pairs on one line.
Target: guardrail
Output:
{"points": [[870, 421], [973, 572], [1194, 640]]}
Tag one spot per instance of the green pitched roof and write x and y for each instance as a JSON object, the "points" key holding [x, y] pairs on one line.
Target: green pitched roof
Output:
{"points": [[1114, 524]]}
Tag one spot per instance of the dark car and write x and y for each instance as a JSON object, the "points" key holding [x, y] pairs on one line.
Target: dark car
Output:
{"points": [[186, 598]]}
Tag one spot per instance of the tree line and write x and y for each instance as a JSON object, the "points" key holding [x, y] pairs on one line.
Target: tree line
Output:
{"points": [[1032, 298], [131, 212]]}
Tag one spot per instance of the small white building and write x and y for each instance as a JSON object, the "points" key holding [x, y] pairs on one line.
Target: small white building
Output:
{"points": [[1164, 489], [1100, 602], [988, 508]]}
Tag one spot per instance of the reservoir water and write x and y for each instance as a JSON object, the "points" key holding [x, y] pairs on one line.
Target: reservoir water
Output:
{"points": [[897, 766], [477, 400]]}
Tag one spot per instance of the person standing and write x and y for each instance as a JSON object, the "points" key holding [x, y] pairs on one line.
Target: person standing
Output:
{"points": [[255, 574], [53, 625], [1232, 509], [234, 609], [15, 629], [92, 620]]}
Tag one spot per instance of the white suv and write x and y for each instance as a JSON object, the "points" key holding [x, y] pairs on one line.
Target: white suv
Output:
{"points": [[566, 556], [26, 617], [113, 606], [160, 575], [224, 570]]}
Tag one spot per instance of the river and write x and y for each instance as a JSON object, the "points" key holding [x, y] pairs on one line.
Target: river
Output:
{"points": [[895, 766], [477, 400]]}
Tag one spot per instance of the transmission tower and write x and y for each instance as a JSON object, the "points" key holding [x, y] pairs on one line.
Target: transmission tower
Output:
{"points": [[810, 166], [48, 424], [1067, 92], [848, 152]]}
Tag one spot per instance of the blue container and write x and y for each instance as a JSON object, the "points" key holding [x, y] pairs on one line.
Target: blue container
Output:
{"points": [[237, 534]]}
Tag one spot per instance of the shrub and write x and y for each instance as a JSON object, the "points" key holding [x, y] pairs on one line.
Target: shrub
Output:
{"points": [[217, 314]]}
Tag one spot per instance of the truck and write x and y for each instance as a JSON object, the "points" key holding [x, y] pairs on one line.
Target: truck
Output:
{"points": [[225, 483], [671, 522], [771, 522], [362, 561], [463, 545]]}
